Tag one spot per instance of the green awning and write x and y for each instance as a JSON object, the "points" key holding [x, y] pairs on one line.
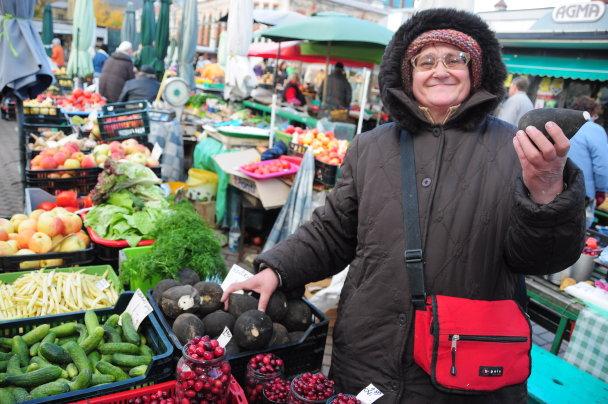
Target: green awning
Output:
{"points": [[568, 68]]}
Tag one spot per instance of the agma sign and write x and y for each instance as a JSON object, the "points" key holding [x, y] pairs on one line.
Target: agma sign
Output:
{"points": [[579, 12]]}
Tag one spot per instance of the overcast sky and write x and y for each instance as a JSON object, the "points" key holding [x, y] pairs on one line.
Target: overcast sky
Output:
{"points": [[488, 5]]}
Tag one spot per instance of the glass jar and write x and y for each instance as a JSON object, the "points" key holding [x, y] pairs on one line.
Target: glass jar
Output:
{"points": [[256, 382], [296, 398], [279, 394], [202, 381], [343, 399]]}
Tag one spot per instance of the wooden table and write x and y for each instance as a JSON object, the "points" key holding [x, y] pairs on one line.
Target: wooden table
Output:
{"points": [[564, 306]]}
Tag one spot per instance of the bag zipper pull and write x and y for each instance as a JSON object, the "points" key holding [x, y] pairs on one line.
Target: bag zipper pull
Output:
{"points": [[455, 339]]}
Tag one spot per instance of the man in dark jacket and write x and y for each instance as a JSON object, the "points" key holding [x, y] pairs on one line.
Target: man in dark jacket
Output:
{"points": [[492, 206], [116, 71], [339, 92], [144, 87]]}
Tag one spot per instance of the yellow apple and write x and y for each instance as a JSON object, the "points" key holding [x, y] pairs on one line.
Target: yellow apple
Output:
{"points": [[84, 237], [28, 224], [71, 164], [16, 220], [23, 237], [36, 214], [71, 223], [40, 243], [50, 224], [7, 248], [72, 243], [6, 225], [51, 263], [28, 264]]}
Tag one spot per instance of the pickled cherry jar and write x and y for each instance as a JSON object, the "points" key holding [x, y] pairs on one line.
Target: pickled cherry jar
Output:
{"points": [[344, 399], [310, 388], [276, 391], [261, 370], [203, 374]]}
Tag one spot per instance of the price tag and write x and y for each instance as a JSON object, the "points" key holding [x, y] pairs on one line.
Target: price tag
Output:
{"points": [[138, 308], [369, 394], [236, 274], [102, 284], [156, 152], [224, 337]]}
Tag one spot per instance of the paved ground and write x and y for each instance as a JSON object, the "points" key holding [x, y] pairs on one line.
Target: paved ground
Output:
{"points": [[11, 190]]}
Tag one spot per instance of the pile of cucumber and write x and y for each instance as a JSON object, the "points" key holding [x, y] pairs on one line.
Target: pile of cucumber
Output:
{"points": [[71, 356]]}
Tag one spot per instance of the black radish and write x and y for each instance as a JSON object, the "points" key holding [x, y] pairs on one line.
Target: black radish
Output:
{"points": [[569, 120]]}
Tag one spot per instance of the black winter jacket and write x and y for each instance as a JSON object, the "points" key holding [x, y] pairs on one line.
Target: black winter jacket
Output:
{"points": [[480, 229]]}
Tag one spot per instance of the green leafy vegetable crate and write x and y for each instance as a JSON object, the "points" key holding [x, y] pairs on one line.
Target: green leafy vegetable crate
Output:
{"points": [[135, 281]]}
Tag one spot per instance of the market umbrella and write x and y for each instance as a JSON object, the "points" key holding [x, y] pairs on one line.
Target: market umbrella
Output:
{"points": [[162, 37], [298, 207], [272, 17], [80, 63], [188, 41], [47, 28], [24, 66], [240, 77], [147, 52], [128, 31]]}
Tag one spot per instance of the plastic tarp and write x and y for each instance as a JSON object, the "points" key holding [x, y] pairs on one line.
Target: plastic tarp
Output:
{"points": [[203, 158], [24, 65]]}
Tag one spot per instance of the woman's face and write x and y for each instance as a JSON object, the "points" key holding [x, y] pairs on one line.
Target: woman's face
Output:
{"points": [[440, 88]]}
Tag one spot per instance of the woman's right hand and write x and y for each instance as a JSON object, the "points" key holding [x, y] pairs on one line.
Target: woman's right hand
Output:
{"points": [[264, 283]]}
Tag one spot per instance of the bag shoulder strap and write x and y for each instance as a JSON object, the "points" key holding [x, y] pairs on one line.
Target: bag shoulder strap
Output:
{"points": [[411, 222]]}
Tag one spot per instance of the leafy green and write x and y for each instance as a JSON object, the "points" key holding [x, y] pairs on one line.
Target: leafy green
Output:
{"points": [[182, 240], [117, 176]]}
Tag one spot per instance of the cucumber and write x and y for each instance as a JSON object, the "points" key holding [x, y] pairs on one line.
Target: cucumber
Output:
{"points": [[54, 353], [40, 361], [138, 371], [63, 341], [72, 370], [107, 368], [146, 351], [6, 397], [112, 321], [36, 335], [100, 378], [82, 332], [13, 367], [6, 343], [130, 361], [50, 389], [92, 341], [142, 340], [20, 394], [91, 321], [65, 374], [31, 367], [79, 357], [122, 347], [128, 330], [21, 350], [64, 330], [94, 357], [3, 365], [111, 334], [34, 349], [106, 358], [4, 356], [50, 337], [36, 378]]}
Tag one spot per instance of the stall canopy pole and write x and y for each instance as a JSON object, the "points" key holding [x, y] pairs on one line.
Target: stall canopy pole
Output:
{"points": [[276, 69], [273, 114], [323, 102], [367, 74]]}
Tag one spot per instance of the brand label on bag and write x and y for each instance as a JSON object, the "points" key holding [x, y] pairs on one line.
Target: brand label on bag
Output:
{"points": [[490, 371]]}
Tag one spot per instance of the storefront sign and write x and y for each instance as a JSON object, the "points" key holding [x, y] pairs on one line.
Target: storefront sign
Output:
{"points": [[579, 12]]}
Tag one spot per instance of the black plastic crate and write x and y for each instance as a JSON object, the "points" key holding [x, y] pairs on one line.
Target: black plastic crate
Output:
{"points": [[10, 263], [305, 355], [124, 120], [296, 149], [161, 369], [82, 185], [326, 174]]}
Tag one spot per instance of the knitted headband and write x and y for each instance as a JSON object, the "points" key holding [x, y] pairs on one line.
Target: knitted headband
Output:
{"points": [[451, 37]]}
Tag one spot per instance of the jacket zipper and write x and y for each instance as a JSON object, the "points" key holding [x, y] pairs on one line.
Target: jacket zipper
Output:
{"points": [[481, 338]]}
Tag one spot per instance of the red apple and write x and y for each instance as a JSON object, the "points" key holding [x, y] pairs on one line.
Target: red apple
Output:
{"points": [[50, 224]]}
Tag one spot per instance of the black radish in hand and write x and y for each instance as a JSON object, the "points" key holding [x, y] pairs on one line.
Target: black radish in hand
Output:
{"points": [[569, 120]]}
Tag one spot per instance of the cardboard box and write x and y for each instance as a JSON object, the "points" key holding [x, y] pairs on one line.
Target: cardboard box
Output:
{"points": [[272, 192], [206, 210]]}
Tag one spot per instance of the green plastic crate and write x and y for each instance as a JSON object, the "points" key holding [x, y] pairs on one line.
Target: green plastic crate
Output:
{"points": [[136, 282], [285, 137]]}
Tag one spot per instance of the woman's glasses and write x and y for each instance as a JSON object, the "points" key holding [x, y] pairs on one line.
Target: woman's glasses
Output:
{"points": [[451, 61]]}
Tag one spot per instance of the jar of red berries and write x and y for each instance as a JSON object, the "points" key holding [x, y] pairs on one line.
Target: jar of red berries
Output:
{"points": [[276, 391], [310, 388], [344, 399], [203, 375], [261, 369]]}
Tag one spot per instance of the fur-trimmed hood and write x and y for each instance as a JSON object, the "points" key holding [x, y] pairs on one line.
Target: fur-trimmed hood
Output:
{"points": [[403, 108]]}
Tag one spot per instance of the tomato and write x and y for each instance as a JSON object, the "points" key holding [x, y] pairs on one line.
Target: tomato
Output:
{"points": [[71, 209], [47, 205], [86, 202], [67, 198], [77, 92]]}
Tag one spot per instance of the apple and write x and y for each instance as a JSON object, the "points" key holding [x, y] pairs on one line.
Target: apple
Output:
{"points": [[130, 146], [88, 162], [7, 248], [150, 162], [6, 225], [71, 223], [3, 235], [143, 149], [23, 237], [83, 236], [102, 149], [77, 156], [48, 163], [117, 155], [36, 214], [59, 210], [115, 147], [28, 224], [40, 243], [50, 224], [60, 158], [28, 264], [14, 245], [139, 158], [51, 263], [72, 243], [71, 163], [12, 236]]}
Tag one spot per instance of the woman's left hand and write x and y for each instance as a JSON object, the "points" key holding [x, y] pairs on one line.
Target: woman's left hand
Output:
{"points": [[542, 162]]}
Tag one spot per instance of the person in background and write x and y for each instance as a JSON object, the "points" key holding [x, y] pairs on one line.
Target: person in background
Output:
{"points": [[57, 53], [143, 87], [281, 73], [339, 91], [589, 151], [292, 93], [202, 61], [213, 71], [117, 70], [260, 68], [518, 102], [99, 59], [317, 82]]}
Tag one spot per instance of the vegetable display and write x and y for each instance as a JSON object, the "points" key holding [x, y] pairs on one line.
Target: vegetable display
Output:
{"points": [[182, 240], [52, 360], [41, 293], [129, 203]]}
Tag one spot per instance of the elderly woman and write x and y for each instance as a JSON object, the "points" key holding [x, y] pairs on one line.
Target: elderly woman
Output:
{"points": [[493, 204]]}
